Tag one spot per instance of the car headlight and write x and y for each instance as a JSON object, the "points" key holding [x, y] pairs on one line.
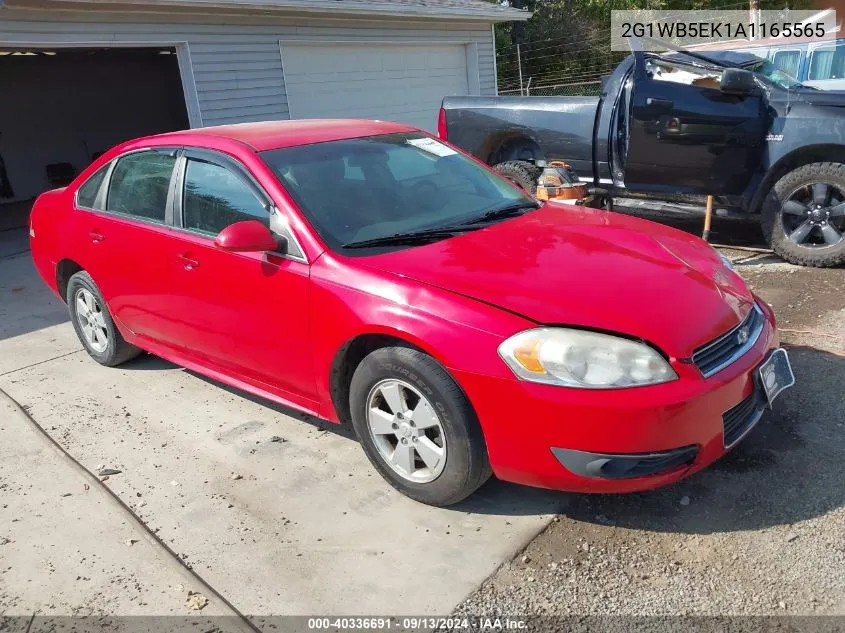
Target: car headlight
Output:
{"points": [[579, 358]]}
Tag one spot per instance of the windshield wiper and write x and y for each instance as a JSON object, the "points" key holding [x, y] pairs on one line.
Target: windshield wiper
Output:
{"points": [[509, 210], [412, 237], [443, 232]]}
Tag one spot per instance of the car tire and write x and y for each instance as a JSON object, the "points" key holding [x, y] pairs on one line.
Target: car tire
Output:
{"points": [[521, 172], [783, 229], [93, 323], [425, 388]]}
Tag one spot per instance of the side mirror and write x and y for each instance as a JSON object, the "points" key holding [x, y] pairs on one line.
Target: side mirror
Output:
{"points": [[738, 81], [248, 236]]}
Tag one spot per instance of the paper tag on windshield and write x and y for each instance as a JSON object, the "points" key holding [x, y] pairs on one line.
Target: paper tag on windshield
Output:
{"points": [[431, 146]]}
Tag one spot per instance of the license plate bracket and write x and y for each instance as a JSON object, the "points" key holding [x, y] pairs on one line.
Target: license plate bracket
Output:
{"points": [[774, 375]]}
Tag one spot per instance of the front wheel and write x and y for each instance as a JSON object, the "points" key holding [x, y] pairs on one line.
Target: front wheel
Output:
{"points": [[803, 217], [417, 427]]}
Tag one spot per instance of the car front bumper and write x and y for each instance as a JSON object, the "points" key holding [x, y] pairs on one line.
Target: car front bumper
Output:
{"points": [[620, 440]]}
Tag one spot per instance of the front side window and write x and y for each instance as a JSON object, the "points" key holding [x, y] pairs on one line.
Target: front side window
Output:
{"points": [[787, 62], [87, 194], [139, 185], [214, 198], [368, 188]]}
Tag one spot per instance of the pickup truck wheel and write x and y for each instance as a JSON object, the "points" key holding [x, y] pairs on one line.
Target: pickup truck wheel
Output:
{"points": [[522, 172], [803, 217]]}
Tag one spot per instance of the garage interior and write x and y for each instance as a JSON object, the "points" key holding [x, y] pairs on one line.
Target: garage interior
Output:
{"points": [[63, 107]]}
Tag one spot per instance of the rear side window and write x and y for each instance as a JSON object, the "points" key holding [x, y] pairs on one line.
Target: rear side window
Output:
{"points": [[215, 197], [87, 194], [827, 63], [139, 185]]}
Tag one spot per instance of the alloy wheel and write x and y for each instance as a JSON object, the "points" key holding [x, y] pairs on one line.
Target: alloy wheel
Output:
{"points": [[89, 316], [406, 431], [813, 216]]}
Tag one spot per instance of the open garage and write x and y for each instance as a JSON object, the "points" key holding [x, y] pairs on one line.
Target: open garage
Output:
{"points": [[69, 105]]}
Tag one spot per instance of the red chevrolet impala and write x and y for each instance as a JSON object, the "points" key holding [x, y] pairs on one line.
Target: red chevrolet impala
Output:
{"points": [[364, 271]]}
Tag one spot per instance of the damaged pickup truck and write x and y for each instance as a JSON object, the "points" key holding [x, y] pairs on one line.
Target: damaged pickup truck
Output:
{"points": [[680, 126]]}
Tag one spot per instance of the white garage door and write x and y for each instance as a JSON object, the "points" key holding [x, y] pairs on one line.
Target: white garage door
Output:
{"points": [[391, 82]]}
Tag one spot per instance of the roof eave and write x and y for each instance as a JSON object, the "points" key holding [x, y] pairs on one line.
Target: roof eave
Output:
{"points": [[361, 9]]}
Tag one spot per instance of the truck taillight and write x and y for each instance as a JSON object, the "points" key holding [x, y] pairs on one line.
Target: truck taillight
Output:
{"points": [[441, 125]]}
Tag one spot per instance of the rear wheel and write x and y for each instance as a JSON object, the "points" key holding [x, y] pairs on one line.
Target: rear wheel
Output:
{"points": [[521, 172], [93, 323], [417, 427], [804, 215]]}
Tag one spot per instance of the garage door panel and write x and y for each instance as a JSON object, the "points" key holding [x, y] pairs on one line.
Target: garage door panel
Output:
{"points": [[404, 83]]}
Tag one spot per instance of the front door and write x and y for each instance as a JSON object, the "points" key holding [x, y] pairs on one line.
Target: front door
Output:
{"points": [[246, 314], [685, 134]]}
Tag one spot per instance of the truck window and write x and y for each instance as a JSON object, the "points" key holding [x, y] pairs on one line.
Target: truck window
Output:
{"points": [[827, 63], [788, 62]]}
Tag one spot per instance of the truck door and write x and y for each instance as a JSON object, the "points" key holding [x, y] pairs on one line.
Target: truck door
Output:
{"points": [[687, 135]]}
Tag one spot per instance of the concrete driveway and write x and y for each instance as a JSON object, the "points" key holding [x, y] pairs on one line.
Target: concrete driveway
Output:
{"points": [[279, 512]]}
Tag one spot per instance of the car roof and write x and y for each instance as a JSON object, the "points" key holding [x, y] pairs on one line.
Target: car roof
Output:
{"points": [[267, 135]]}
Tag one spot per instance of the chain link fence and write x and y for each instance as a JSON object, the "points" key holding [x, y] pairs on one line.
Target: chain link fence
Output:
{"points": [[576, 89]]}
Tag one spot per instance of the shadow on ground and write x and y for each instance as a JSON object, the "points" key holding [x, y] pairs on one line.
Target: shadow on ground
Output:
{"points": [[26, 303], [495, 497], [727, 231], [789, 469]]}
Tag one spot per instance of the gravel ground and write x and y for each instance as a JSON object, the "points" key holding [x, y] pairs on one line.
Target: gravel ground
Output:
{"points": [[761, 532]]}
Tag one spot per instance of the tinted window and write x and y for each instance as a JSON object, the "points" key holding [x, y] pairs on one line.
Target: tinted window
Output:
{"points": [[364, 188], [215, 198], [828, 63], [87, 194], [787, 62], [139, 185]]}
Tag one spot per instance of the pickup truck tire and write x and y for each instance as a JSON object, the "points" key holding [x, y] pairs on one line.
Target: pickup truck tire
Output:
{"points": [[522, 172], [803, 216]]}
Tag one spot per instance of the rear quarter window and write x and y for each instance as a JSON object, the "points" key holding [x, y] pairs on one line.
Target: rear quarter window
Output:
{"points": [[87, 194]]}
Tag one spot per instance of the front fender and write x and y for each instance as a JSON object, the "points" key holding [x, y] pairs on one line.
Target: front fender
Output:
{"points": [[349, 301]]}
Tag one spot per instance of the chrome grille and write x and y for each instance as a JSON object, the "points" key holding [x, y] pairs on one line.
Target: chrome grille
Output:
{"points": [[721, 352]]}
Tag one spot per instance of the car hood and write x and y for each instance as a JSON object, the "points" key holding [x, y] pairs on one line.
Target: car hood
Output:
{"points": [[835, 98], [564, 265]]}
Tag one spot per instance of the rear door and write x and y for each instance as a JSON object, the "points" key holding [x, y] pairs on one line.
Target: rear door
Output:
{"points": [[685, 135], [124, 228]]}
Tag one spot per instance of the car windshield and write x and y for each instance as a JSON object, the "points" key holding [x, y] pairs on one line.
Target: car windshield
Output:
{"points": [[771, 72], [370, 188]]}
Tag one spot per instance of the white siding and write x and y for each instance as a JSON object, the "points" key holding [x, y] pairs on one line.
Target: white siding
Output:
{"points": [[391, 82], [236, 62]]}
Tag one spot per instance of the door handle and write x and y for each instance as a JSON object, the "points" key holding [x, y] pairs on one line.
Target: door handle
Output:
{"points": [[188, 262], [659, 103], [96, 237]]}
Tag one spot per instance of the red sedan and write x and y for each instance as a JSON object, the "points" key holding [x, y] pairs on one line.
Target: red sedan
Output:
{"points": [[364, 271]]}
